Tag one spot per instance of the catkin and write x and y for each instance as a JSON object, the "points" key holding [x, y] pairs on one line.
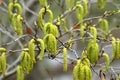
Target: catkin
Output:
{"points": [[65, 59], [117, 56], [3, 63], [31, 47], [103, 23], [19, 8], [50, 29], [19, 25], [82, 28], [107, 60], [14, 5], [85, 73], [42, 47], [10, 8], [92, 49], [85, 7], [93, 32], [76, 70], [14, 17], [86, 61], [113, 48], [79, 11], [40, 17], [25, 61], [50, 43], [63, 23], [20, 73]]}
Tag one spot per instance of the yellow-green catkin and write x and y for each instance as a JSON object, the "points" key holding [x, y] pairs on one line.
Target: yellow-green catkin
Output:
{"points": [[82, 28], [117, 56], [14, 22], [107, 61], [42, 48], [65, 59], [13, 5], [84, 54], [101, 4], [2, 49], [19, 8], [93, 32], [63, 24], [19, 25], [3, 63], [82, 71], [85, 61], [85, 7], [118, 77], [25, 61], [103, 24], [113, 48], [40, 18], [76, 70], [31, 47], [43, 3], [69, 42], [79, 11], [92, 49], [10, 8], [20, 73], [41, 13], [85, 73], [50, 43], [69, 4], [51, 29]]}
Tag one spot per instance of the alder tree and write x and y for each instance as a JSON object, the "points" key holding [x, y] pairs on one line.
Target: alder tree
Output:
{"points": [[35, 33]]}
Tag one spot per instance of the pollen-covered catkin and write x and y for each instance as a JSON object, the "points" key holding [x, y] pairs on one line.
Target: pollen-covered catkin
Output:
{"points": [[20, 73], [82, 28], [85, 61], [13, 20], [113, 48], [19, 25], [65, 59], [31, 47], [76, 70], [41, 13], [25, 61], [50, 43], [10, 8], [51, 29], [79, 11], [42, 48], [3, 63], [82, 71], [103, 24], [117, 54], [92, 49], [85, 7], [13, 5], [86, 73], [107, 60], [19, 8], [93, 32], [63, 23]]}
